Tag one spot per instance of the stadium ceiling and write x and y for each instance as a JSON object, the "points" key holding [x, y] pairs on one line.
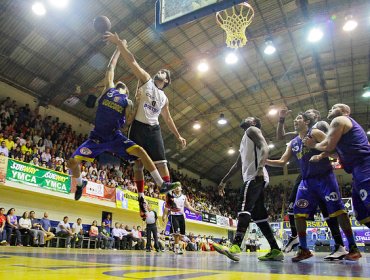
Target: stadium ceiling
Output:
{"points": [[48, 56]]}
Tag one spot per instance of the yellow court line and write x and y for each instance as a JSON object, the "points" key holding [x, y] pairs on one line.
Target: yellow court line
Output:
{"points": [[22, 268]]}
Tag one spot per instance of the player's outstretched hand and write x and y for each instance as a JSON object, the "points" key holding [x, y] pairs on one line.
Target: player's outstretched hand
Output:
{"points": [[221, 189], [315, 158], [182, 141], [284, 112], [113, 38]]}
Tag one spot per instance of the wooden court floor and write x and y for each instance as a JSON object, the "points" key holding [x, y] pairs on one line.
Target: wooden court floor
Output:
{"points": [[51, 263]]}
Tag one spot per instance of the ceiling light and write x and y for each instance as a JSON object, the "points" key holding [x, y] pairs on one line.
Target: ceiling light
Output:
{"points": [[271, 145], [231, 151], [366, 91], [39, 9], [350, 24], [231, 58], [273, 111], [315, 35], [368, 132], [269, 47], [203, 66], [197, 125], [288, 162], [222, 120]]}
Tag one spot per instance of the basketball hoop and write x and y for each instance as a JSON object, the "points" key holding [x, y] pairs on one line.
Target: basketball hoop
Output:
{"points": [[235, 21]]}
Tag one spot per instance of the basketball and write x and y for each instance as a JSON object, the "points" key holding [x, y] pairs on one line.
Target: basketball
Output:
{"points": [[102, 24]]}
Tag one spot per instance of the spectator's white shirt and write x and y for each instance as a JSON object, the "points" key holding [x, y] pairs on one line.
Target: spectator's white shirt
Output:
{"points": [[45, 156], [48, 143], [25, 223], [117, 232], [76, 228], [4, 150], [65, 225], [36, 138], [135, 233], [124, 232], [59, 159], [91, 169], [22, 142]]}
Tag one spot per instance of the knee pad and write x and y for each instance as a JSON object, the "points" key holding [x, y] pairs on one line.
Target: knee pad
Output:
{"points": [[243, 221]]}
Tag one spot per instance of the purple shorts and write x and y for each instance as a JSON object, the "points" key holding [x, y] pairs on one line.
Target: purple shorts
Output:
{"points": [[361, 201], [94, 146], [313, 190]]}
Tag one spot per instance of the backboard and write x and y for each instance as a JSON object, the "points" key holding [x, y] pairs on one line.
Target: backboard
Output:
{"points": [[173, 13]]}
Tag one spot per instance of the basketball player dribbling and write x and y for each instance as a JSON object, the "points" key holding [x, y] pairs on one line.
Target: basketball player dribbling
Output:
{"points": [[113, 109], [145, 129]]}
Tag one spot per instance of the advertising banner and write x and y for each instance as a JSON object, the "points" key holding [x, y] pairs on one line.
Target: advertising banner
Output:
{"points": [[191, 216], [31, 175], [128, 200], [222, 221], [95, 190], [209, 218]]}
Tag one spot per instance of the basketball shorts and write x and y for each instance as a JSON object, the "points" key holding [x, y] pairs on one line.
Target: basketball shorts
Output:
{"points": [[150, 138], [322, 189], [94, 146], [361, 201], [177, 224], [252, 200]]}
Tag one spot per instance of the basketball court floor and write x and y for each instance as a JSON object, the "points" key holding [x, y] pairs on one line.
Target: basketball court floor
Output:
{"points": [[51, 263]]}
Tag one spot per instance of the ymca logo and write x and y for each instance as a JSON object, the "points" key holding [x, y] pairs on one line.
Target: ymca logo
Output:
{"points": [[363, 194], [333, 196], [302, 203]]}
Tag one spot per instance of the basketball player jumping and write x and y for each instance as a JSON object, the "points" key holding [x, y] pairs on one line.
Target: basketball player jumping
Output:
{"points": [[349, 140], [114, 108], [145, 129], [318, 183], [339, 250], [252, 158], [177, 218]]}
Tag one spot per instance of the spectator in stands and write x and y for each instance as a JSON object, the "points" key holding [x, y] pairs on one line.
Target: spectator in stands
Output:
{"points": [[26, 148], [25, 227], [94, 231], [48, 143], [64, 231], [108, 222], [46, 156], [10, 143], [3, 149], [136, 237], [38, 234], [77, 232], [104, 235], [12, 227], [127, 237], [2, 227], [40, 145], [35, 161], [46, 227], [17, 153], [118, 236]]}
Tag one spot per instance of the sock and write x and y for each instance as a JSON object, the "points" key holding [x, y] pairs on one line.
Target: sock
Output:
{"points": [[157, 178], [267, 232], [140, 186], [176, 246], [335, 231], [350, 238], [166, 178], [79, 181], [141, 194], [302, 240], [292, 226]]}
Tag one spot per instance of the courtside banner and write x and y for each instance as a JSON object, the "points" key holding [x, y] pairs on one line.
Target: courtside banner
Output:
{"points": [[191, 216], [222, 221], [32, 175], [3, 168], [96, 190], [128, 200], [209, 218]]}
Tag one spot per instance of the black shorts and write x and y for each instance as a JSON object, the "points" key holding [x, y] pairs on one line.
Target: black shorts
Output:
{"points": [[177, 224], [150, 138], [252, 200]]}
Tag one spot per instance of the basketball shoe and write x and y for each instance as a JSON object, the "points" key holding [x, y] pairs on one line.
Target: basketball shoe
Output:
{"points": [[339, 253], [354, 254], [292, 243], [302, 254], [273, 255], [167, 186], [233, 253], [79, 190]]}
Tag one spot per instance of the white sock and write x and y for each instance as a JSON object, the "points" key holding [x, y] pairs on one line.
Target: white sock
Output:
{"points": [[157, 177], [177, 246], [141, 194], [79, 180]]}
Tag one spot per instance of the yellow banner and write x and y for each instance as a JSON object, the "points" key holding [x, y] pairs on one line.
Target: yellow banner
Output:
{"points": [[128, 200]]}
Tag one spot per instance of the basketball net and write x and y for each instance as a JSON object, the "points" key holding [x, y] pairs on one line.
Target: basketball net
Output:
{"points": [[235, 21]]}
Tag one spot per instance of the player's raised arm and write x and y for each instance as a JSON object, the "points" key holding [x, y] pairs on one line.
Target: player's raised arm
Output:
{"points": [[109, 74], [127, 56]]}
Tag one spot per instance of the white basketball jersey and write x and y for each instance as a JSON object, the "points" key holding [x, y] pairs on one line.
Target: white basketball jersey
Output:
{"points": [[180, 203], [250, 156], [152, 100]]}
